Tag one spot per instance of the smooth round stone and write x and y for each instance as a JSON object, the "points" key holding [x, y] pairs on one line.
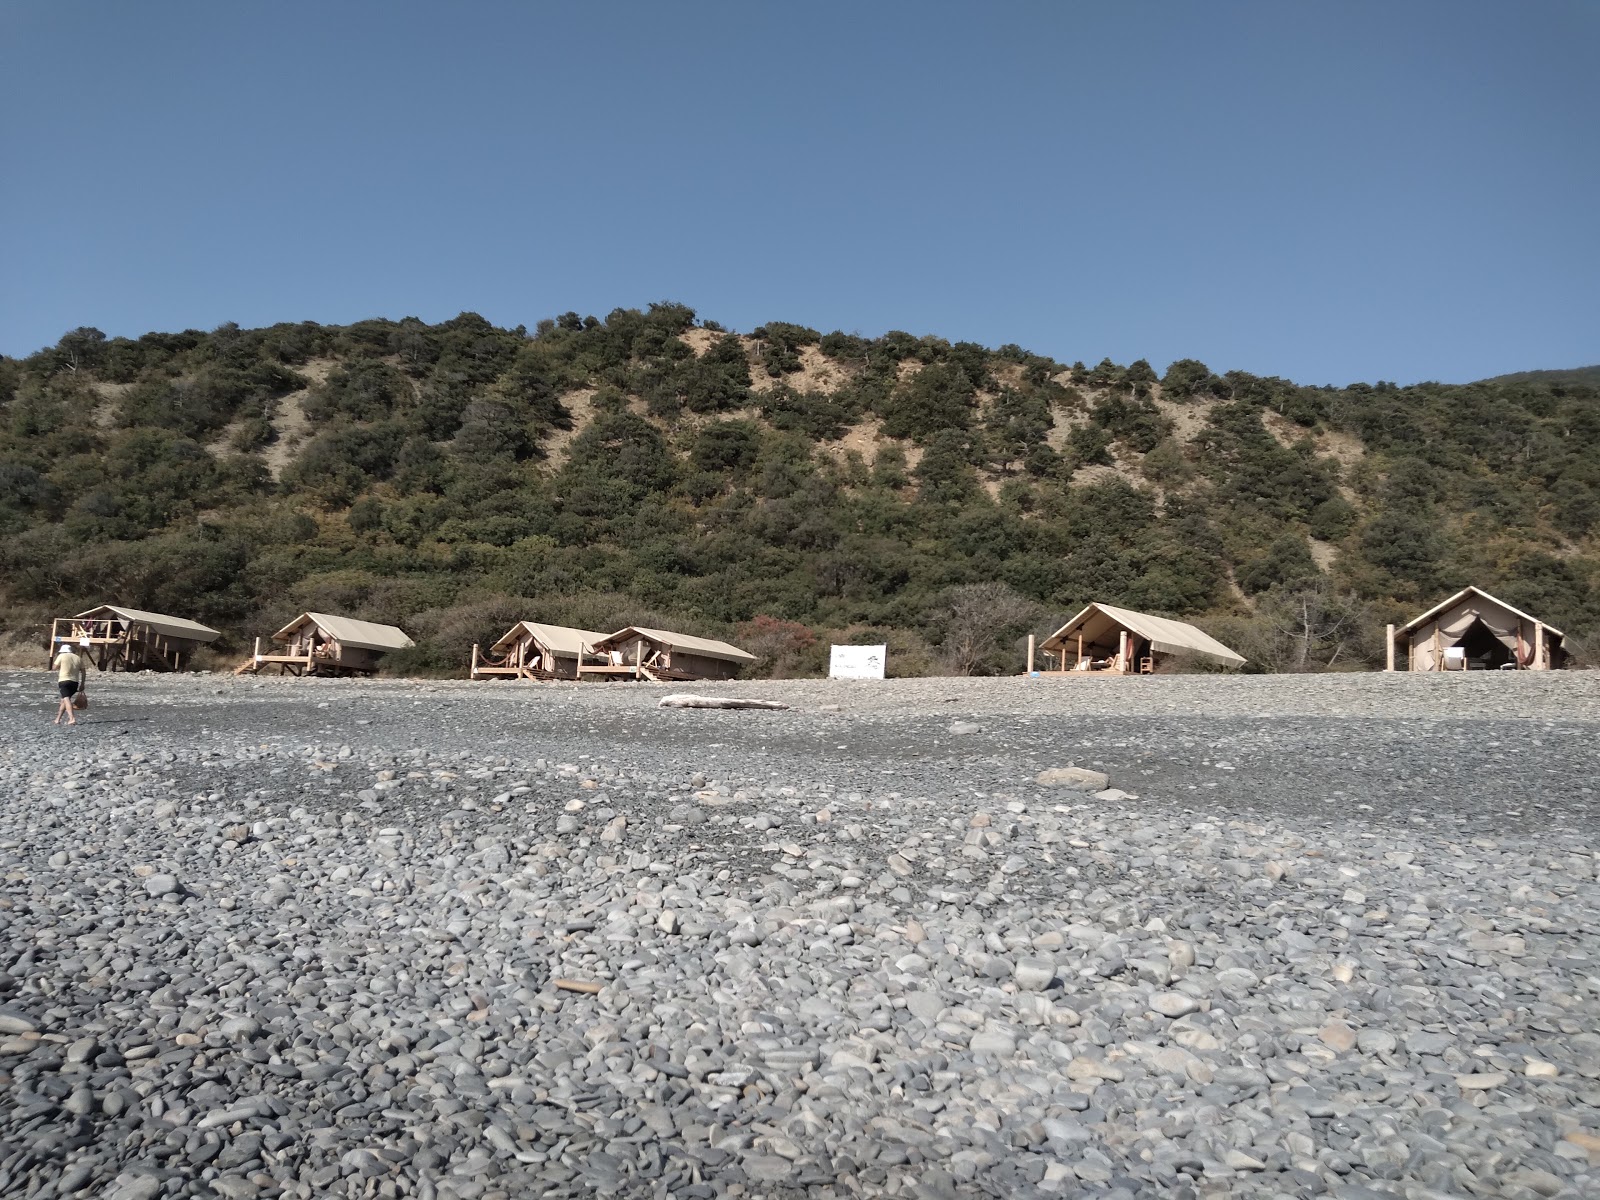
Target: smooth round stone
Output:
{"points": [[1376, 1041], [993, 1041], [80, 1103], [161, 884], [1174, 1004], [1034, 974]]}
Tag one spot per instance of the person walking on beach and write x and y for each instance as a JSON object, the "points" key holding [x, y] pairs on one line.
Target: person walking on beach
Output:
{"points": [[70, 667]]}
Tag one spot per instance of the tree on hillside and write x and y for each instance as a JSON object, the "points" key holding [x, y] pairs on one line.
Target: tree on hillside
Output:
{"points": [[491, 428], [363, 391], [1185, 379], [945, 474], [1287, 563], [726, 448], [617, 462], [82, 349], [937, 398], [1017, 421], [777, 346]]}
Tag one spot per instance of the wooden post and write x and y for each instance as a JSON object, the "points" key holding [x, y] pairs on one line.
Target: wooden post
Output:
{"points": [[1080, 653], [1539, 663], [473, 673], [638, 657], [1438, 650], [1389, 641], [258, 648], [1030, 656]]}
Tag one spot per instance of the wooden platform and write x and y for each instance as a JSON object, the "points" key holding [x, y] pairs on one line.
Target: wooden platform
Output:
{"points": [[655, 674], [507, 666], [532, 673], [299, 665]]}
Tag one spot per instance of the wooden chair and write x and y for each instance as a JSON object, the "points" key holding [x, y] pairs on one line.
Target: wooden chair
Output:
{"points": [[1147, 666]]}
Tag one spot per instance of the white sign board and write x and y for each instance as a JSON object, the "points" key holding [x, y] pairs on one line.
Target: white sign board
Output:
{"points": [[857, 662]]}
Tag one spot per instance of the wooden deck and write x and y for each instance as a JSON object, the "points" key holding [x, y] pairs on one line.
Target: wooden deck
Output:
{"points": [[655, 673], [533, 673], [485, 666], [300, 665]]}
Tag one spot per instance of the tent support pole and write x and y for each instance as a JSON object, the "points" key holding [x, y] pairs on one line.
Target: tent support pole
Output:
{"points": [[1030, 656], [1389, 641]]}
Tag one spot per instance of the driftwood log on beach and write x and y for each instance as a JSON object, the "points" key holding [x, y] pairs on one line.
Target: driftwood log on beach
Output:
{"points": [[687, 701]]}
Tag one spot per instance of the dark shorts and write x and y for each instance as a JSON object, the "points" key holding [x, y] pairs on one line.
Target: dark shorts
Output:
{"points": [[69, 688]]}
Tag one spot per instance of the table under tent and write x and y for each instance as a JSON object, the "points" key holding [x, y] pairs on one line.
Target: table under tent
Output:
{"points": [[662, 655], [1103, 640], [320, 644], [533, 650], [1474, 631], [131, 639]]}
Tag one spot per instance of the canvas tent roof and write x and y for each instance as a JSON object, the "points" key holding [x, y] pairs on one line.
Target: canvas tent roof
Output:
{"points": [[347, 631], [175, 627], [1446, 605], [562, 640], [1163, 633], [707, 647]]}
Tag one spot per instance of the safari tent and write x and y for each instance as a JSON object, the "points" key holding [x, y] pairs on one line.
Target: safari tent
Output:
{"points": [[662, 655], [1118, 641], [320, 644], [532, 650], [1474, 631], [131, 639]]}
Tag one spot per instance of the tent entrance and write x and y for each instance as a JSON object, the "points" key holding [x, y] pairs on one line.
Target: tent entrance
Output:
{"points": [[1484, 651]]}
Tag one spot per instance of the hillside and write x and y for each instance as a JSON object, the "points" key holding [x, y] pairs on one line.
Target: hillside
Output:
{"points": [[1573, 377], [781, 486]]}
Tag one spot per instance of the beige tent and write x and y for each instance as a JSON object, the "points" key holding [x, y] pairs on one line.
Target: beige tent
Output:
{"points": [[533, 650], [1473, 630], [1102, 638], [663, 654], [320, 644], [131, 639]]}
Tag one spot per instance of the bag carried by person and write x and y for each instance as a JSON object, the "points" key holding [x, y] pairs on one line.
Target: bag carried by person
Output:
{"points": [[80, 698]]}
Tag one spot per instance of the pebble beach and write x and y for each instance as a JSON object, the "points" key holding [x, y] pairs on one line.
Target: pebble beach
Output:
{"points": [[1188, 936]]}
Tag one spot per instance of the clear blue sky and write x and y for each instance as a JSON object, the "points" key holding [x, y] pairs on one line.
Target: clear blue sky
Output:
{"points": [[1329, 192]]}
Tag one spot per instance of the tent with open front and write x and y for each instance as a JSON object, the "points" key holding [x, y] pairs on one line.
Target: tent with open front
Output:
{"points": [[1473, 630], [1103, 639], [323, 644], [534, 650], [661, 654]]}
